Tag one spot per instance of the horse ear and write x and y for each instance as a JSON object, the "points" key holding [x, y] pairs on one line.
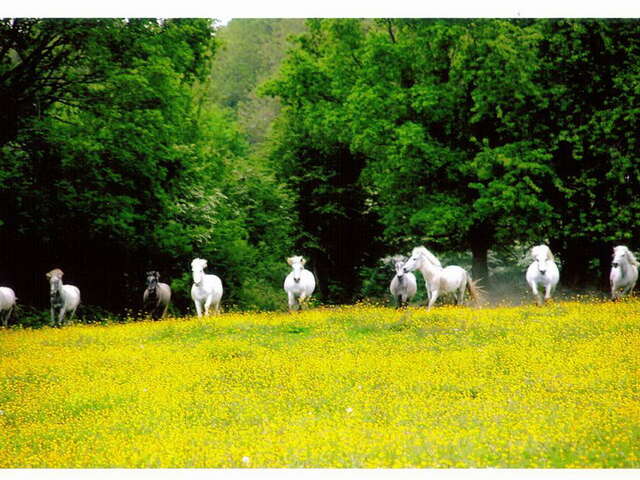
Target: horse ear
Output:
{"points": [[290, 261], [550, 256], [302, 261]]}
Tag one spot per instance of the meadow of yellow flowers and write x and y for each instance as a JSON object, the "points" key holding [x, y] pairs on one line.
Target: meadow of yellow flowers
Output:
{"points": [[362, 386]]}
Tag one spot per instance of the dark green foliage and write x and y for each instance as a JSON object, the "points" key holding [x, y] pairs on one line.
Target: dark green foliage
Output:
{"points": [[472, 134], [125, 171]]}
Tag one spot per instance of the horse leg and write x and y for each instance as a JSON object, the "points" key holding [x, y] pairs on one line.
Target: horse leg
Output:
{"points": [[198, 307], [462, 288], [432, 300], [534, 289], [547, 294], [405, 301], [53, 317], [303, 298], [7, 315], [207, 304], [217, 305], [61, 317], [291, 300], [73, 312], [399, 302]]}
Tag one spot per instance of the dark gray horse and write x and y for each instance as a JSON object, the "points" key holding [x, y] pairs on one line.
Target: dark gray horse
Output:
{"points": [[156, 297]]}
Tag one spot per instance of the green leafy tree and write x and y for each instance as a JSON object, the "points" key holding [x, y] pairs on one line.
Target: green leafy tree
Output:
{"points": [[131, 172], [590, 128], [422, 103], [476, 134]]}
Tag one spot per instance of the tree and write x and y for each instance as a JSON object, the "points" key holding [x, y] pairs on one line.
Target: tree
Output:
{"points": [[251, 52], [476, 134], [132, 172], [337, 231], [421, 104], [590, 128]]}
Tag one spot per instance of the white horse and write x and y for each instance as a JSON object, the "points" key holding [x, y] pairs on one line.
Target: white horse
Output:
{"points": [[543, 272], [299, 284], [206, 289], [403, 286], [64, 298], [7, 303], [624, 272], [440, 281]]}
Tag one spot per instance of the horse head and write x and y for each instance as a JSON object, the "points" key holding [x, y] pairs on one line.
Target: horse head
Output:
{"points": [[55, 279], [622, 254], [152, 280], [419, 256], [297, 264], [400, 272], [542, 254], [197, 267]]}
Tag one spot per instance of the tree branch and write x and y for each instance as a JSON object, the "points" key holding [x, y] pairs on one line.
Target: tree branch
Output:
{"points": [[390, 30]]}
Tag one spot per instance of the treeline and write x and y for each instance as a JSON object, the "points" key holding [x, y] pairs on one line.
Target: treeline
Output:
{"points": [[115, 162], [475, 135], [130, 145]]}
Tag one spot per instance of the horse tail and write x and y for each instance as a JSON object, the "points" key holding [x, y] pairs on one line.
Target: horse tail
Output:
{"points": [[476, 291]]}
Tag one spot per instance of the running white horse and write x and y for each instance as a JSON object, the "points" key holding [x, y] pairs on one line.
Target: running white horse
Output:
{"points": [[624, 272], [403, 286], [441, 281], [542, 272], [7, 303], [299, 284], [64, 298], [206, 289]]}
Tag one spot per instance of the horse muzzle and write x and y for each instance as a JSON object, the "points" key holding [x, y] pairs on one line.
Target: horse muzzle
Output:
{"points": [[297, 280], [615, 264]]}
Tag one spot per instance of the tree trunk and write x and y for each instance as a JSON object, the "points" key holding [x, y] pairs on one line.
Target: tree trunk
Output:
{"points": [[480, 267], [575, 264]]}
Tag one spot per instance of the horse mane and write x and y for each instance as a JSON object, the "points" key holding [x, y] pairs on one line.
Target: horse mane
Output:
{"points": [[423, 252], [56, 272], [629, 254]]}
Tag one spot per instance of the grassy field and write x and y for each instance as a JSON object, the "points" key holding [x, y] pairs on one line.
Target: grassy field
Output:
{"points": [[557, 386]]}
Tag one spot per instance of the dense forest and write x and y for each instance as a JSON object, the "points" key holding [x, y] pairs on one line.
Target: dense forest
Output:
{"points": [[139, 144]]}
